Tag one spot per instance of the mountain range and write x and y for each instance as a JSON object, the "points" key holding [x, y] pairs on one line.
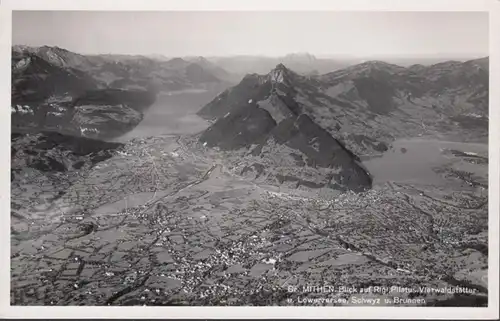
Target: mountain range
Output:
{"points": [[291, 174], [286, 118], [96, 95], [368, 105], [303, 63], [327, 121]]}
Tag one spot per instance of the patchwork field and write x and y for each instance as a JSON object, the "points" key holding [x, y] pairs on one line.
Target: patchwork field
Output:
{"points": [[168, 222]]}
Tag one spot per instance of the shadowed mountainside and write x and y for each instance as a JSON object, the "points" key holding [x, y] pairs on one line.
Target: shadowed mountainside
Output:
{"points": [[367, 106], [324, 121]]}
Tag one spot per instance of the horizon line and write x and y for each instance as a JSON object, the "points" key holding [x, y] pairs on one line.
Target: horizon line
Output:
{"points": [[263, 55]]}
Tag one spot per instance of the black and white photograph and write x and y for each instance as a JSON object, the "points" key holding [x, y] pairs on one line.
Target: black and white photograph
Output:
{"points": [[249, 158]]}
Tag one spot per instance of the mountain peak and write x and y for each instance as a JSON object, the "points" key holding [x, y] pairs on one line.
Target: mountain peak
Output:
{"points": [[280, 66], [279, 74]]}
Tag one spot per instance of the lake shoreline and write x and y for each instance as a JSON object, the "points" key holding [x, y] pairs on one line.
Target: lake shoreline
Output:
{"points": [[415, 160]]}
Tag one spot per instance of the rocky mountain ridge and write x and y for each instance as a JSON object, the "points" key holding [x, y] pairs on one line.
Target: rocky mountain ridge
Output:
{"points": [[124, 71], [325, 121], [370, 104], [99, 96]]}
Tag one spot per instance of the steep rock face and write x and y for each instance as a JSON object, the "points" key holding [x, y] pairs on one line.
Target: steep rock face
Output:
{"points": [[274, 90], [317, 148], [323, 121], [302, 134], [367, 106], [250, 90], [263, 116], [239, 129]]}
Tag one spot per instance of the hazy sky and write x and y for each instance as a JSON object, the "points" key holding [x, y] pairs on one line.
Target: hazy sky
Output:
{"points": [[180, 33]]}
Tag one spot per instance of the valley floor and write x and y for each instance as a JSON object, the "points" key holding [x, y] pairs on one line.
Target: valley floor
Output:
{"points": [[168, 222]]}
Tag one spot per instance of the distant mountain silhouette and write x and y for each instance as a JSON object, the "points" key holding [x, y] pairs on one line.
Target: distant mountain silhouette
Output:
{"points": [[303, 63]]}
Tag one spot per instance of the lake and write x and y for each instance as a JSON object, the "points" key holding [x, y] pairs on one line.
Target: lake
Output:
{"points": [[173, 113], [413, 160], [408, 161]]}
